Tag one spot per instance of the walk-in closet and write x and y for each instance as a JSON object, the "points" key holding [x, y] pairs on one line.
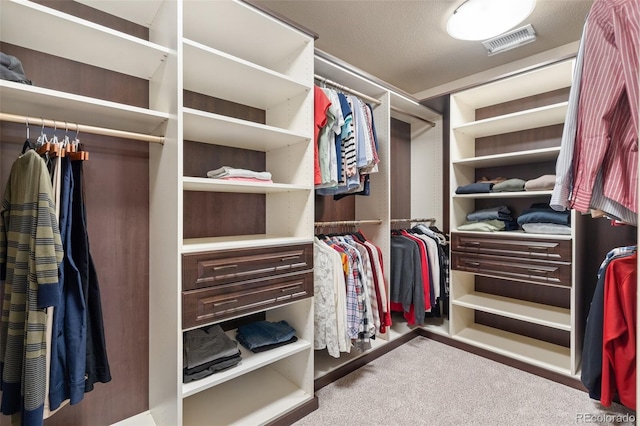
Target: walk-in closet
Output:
{"points": [[209, 214]]}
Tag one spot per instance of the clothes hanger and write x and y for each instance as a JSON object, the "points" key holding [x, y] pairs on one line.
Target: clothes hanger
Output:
{"points": [[27, 143], [77, 150]]}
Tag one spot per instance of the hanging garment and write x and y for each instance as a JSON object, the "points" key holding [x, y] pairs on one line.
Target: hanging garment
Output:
{"points": [[30, 252]]}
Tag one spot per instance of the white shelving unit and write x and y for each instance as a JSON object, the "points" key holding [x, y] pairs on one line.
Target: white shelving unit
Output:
{"points": [[468, 302]]}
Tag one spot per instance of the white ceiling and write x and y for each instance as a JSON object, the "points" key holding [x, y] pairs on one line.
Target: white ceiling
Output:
{"points": [[405, 42]]}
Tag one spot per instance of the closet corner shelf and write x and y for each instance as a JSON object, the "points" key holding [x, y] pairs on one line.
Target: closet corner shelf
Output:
{"points": [[197, 245], [139, 12], [136, 57], [522, 120], [33, 101], [219, 185], [510, 158], [218, 74], [250, 361], [206, 127], [519, 194], [535, 313], [532, 351]]}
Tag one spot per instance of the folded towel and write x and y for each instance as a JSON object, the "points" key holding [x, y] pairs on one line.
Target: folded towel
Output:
{"points": [[226, 171], [485, 226], [546, 228]]}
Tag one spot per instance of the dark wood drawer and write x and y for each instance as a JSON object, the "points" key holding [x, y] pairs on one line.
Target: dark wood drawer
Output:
{"points": [[203, 306], [216, 268], [557, 250], [513, 268]]}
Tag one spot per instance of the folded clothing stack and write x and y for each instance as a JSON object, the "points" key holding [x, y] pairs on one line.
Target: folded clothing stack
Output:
{"points": [[492, 219], [207, 351], [261, 336], [230, 173], [542, 183], [540, 218]]}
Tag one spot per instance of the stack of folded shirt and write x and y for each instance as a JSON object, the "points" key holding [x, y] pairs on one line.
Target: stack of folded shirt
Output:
{"points": [[230, 173], [491, 219], [509, 185], [207, 351], [542, 183], [483, 185], [540, 218], [261, 336]]}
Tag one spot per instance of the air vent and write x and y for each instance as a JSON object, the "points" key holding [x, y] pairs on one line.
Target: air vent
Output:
{"points": [[510, 40]]}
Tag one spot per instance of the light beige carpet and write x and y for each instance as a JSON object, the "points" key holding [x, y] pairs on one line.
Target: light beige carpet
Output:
{"points": [[424, 382]]}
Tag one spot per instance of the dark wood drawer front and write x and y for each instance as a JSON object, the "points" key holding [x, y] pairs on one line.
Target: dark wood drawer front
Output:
{"points": [[557, 250], [208, 305], [527, 270], [216, 268]]}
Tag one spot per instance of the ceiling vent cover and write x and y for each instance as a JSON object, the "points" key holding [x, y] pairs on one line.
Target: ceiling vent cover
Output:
{"points": [[510, 40]]}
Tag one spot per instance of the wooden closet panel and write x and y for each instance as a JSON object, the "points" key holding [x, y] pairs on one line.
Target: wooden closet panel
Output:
{"points": [[555, 296], [542, 99], [535, 331], [217, 214], [94, 15], [400, 169], [199, 158], [542, 137], [117, 204], [220, 106], [56, 73], [327, 209]]}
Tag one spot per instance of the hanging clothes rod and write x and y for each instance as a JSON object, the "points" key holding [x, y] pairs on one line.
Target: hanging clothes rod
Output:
{"points": [[417, 117], [429, 220], [82, 128], [347, 223], [346, 89]]}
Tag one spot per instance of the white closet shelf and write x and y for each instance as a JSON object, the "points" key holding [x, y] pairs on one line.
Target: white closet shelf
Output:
{"points": [[510, 158], [217, 21], [141, 12], [517, 234], [52, 32], [195, 245], [537, 352], [519, 194], [215, 73], [543, 80], [206, 127], [218, 185], [254, 398], [250, 362], [33, 101], [536, 313], [548, 115]]}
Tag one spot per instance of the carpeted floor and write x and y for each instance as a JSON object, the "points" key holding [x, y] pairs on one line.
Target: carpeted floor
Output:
{"points": [[424, 382]]}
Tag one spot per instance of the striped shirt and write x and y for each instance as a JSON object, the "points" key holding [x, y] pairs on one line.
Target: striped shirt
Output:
{"points": [[608, 111]]}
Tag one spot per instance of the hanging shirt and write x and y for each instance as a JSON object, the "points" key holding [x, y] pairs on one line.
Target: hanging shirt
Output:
{"points": [[320, 107], [608, 113]]}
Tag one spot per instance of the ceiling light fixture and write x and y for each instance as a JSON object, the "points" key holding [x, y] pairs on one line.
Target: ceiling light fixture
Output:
{"points": [[483, 19]]}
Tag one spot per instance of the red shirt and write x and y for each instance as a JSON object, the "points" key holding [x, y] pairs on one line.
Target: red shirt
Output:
{"points": [[321, 104], [619, 332], [607, 132]]}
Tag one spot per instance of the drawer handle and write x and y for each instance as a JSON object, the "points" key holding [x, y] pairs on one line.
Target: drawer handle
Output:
{"points": [[538, 271], [472, 243], [284, 259], [538, 248], [291, 287], [472, 263], [218, 268], [226, 302]]}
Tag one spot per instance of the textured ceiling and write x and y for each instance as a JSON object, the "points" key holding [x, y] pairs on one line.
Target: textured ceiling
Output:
{"points": [[405, 42]]}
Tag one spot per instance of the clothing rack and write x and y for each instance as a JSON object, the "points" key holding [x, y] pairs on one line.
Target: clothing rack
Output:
{"points": [[347, 223], [346, 89], [81, 128], [369, 98], [429, 220]]}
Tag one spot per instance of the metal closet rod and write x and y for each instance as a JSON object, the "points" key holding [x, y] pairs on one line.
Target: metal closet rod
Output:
{"points": [[82, 128], [369, 98], [348, 223], [430, 220], [346, 89]]}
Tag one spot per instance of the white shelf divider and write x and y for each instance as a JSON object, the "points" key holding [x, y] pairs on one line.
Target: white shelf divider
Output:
{"points": [[195, 245], [219, 185], [206, 127], [142, 12], [510, 158], [536, 313], [31, 25], [518, 194], [517, 234], [250, 362], [522, 120]]}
